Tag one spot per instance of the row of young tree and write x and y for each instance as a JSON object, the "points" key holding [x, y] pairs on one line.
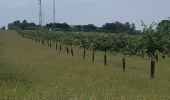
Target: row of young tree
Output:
{"points": [[151, 41], [115, 27]]}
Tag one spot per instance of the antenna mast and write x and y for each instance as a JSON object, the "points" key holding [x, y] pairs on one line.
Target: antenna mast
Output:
{"points": [[43, 19], [54, 11], [40, 13]]}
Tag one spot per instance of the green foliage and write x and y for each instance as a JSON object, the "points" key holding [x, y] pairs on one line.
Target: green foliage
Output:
{"points": [[92, 41], [84, 42], [151, 41], [136, 45], [164, 27], [155, 41]]}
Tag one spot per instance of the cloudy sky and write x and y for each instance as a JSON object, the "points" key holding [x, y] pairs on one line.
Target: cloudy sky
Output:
{"points": [[95, 12]]}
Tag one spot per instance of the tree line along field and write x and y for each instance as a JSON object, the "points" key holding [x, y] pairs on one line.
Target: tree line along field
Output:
{"points": [[30, 70]]}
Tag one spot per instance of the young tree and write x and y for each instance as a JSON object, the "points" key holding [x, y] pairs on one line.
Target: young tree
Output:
{"points": [[154, 43], [85, 44], [123, 45], [104, 43]]}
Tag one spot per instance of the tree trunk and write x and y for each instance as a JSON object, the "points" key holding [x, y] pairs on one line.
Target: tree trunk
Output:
{"points": [[67, 50], [60, 47], [157, 57], [105, 59], [142, 54], [50, 44], [42, 42], [56, 46], [84, 54], [124, 63], [93, 56], [72, 52], [152, 68]]}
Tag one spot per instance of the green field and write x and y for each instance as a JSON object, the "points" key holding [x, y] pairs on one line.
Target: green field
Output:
{"points": [[31, 71]]}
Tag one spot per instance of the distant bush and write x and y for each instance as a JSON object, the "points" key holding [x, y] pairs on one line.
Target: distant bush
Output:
{"points": [[3, 28]]}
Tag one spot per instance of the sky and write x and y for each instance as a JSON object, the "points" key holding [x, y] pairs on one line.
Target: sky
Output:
{"points": [[78, 12]]}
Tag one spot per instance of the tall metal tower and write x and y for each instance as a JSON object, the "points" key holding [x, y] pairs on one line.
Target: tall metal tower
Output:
{"points": [[40, 13], [54, 11]]}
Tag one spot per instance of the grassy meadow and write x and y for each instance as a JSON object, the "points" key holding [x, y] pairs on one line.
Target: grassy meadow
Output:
{"points": [[31, 71]]}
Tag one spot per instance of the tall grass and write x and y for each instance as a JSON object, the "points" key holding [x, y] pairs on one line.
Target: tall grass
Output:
{"points": [[31, 71]]}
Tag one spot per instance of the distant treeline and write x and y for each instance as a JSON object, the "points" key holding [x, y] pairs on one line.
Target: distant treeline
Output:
{"points": [[115, 27], [24, 25]]}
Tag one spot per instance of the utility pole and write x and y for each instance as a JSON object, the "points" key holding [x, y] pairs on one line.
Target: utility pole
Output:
{"points": [[54, 11], [43, 19], [40, 13]]}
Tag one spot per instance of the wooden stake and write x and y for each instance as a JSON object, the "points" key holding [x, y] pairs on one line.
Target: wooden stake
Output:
{"points": [[67, 50], [72, 53], [152, 69], [60, 47], [124, 63], [56, 46], [105, 59], [84, 54], [93, 56]]}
